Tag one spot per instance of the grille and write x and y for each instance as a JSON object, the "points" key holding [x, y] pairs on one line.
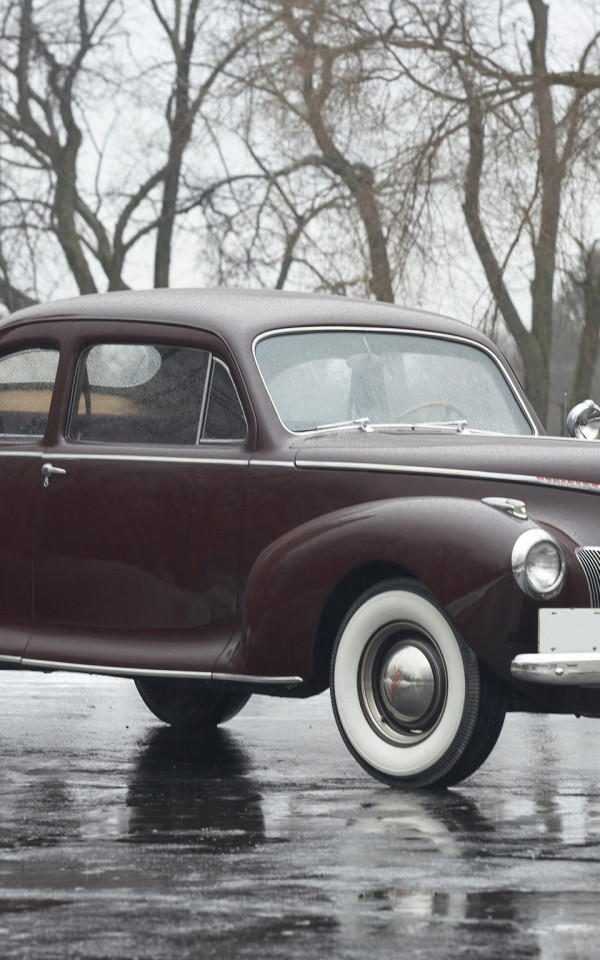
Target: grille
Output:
{"points": [[589, 558]]}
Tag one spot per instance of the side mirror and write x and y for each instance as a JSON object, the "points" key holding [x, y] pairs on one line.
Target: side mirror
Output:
{"points": [[583, 421]]}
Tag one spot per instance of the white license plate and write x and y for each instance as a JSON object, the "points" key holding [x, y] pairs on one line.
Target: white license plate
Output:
{"points": [[567, 630]]}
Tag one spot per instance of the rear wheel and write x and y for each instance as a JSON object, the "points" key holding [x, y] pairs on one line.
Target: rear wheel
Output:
{"points": [[189, 703], [411, 701]]}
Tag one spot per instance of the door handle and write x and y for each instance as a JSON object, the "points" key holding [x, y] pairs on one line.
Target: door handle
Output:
{"points": [[48, 470]]}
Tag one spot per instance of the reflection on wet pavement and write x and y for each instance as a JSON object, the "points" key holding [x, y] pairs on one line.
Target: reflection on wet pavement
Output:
{"points": [[199, 793], [121, 838]]}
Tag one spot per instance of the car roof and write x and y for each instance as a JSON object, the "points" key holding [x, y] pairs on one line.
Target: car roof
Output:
{"points": [[241, 315]]}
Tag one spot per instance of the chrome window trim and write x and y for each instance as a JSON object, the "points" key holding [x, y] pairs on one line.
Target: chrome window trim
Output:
{"points": [[216, 361], [402, 330], [212, 361], [141, 672], [30, 438], [205, 394]]}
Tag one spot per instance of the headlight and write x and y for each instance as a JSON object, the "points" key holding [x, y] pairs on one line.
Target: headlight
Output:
{"points": [[539, 564], [583, 421]]}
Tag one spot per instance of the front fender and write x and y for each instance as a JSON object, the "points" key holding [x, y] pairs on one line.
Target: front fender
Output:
{"points": [[459, 548]]}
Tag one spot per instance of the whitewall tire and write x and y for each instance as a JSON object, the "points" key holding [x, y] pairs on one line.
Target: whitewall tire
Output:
{"points": [[406, 689]]}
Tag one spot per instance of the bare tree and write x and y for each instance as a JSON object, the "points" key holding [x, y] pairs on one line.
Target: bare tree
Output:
{"points": [[56, 67], [320, 84], [525, 126], [348, 146], [586, 285], [556, 138], [185, 103]]}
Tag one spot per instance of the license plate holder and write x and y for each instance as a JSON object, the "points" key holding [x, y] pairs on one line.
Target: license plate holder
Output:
{"points": [[569, 630]]}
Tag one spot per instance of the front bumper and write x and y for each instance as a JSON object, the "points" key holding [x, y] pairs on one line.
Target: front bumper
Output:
{"points": [[569, 649], [560, 669]]}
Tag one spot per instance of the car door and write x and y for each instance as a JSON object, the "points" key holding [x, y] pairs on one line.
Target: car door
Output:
{"points": [[29, 360], [135, 551]]}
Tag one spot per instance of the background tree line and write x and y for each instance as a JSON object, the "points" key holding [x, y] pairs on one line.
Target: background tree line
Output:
{"points": [[441, 152]]}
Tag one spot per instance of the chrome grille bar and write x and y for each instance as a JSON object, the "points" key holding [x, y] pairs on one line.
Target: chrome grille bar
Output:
{"points": [[589, 558]]}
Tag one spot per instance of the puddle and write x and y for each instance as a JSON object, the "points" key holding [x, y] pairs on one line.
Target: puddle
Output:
{"points": [[491, 906], [9, 905]]}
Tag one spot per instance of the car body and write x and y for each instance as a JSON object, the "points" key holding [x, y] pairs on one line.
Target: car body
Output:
{"points": [[223, 492]]}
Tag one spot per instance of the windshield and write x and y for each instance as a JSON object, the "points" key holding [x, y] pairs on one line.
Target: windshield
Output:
{"points": [[338, 379]]}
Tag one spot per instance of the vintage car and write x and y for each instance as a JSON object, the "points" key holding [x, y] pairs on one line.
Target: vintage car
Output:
{"points": [[218, 493]]}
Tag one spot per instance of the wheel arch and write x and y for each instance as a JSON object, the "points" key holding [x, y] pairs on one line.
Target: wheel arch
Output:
{"points": [[336, 607], [302, 584]]}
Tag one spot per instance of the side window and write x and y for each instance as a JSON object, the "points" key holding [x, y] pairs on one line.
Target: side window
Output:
{"points": [[153, 393], [26, 385], [225, 418], [139, 393]]}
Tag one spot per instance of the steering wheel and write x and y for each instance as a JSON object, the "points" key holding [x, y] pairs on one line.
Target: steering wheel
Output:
{"points": [[432, 403]]}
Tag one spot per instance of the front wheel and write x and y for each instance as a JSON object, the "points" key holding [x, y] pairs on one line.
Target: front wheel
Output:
{"points": [[189, 703], [410, 699]]}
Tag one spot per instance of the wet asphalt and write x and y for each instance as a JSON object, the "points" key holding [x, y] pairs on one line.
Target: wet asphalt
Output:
{"points": [[121, 839]]}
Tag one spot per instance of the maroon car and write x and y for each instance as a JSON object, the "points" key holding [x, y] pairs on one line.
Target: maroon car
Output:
{"points": [[220, 493]]}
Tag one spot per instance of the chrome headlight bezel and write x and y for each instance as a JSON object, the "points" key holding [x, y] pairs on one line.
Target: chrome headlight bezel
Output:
{"points": [[524, 545]]}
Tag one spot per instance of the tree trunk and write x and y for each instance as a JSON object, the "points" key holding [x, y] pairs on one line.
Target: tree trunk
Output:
{"points": [[589, 343]]}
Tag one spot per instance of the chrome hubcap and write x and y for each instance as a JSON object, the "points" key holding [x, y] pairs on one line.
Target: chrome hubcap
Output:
{"points": [[407, 683], [402, 683]]}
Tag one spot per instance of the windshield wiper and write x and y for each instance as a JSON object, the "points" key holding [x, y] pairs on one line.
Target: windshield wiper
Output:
{"points": [[458, 426], [362, 422]]}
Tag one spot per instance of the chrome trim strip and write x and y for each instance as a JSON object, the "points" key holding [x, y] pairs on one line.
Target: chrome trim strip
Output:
{"points": [[21, 453], [139, 672], [399, 468], [205, 392], [263, 681], [142, 458], [367, 328], [273, 463], [582, 486], [113, 671], [563, 669], [4, 658]]}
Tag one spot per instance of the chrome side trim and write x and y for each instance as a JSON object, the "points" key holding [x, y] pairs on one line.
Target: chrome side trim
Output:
{"points": [[581, 485], [113, 671], [399, 468], [4, 658], [562, 669], [22, 453], [262, 681], [218, 461], [273, 463], [139, 672], [143, 458]]}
